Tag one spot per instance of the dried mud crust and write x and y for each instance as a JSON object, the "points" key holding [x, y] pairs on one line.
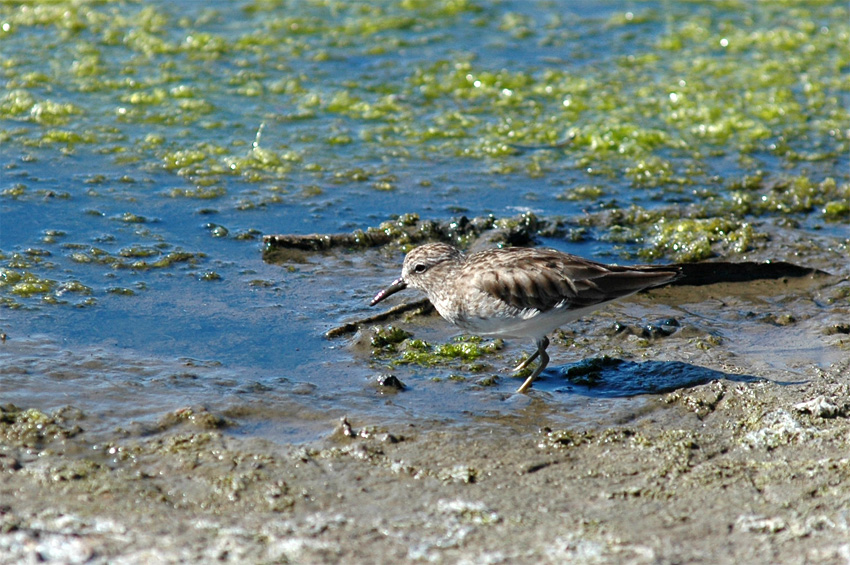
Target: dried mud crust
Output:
{"points": [[720, 473]]}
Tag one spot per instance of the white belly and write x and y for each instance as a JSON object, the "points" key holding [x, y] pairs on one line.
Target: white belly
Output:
{"points": [[531, 324]]}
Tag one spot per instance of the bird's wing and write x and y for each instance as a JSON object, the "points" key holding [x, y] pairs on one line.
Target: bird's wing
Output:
{"points": [[547, 279]]}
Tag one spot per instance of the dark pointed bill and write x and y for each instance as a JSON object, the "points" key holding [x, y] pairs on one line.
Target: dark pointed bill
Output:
{"points": [[396, 286]]}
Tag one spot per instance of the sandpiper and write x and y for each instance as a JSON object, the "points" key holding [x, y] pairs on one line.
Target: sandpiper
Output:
{"points": [[518, 291]]}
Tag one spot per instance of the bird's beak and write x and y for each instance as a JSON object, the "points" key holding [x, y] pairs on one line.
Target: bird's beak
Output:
{"points": [[396, 286]]}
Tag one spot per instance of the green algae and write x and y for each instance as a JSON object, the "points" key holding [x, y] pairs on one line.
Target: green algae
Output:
{"points": [[734, 112], [131, 258], [120, 291], [33, 428], [463, 349], [720, 224], [21, 276], [792, 196], [386, 338], [199, 192], [51, 236], [217, 230], [131, 218], [399, 347], [665, 235], [582, 192], [527, 104], [20, 104], [74, 287], [693, 240], [23, 283]]}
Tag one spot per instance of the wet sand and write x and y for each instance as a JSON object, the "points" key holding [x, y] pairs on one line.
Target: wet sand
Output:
{"points": [[719, 473]]}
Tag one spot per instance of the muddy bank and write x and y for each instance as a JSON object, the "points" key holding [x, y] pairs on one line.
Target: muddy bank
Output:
{"points": [[750, 466], [722, 472]]}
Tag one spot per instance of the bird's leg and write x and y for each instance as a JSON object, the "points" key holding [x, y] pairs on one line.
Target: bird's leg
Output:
{"points": [[542, 344], [527, 362]]}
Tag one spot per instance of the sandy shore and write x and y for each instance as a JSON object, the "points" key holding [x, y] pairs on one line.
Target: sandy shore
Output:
{"points": [[724, 472]]}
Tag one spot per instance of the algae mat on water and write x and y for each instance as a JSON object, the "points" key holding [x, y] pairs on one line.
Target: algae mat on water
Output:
{"points": [[689, 121]]}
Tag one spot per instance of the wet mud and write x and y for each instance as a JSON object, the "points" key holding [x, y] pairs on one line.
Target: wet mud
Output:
{"points": [[721, 472]]}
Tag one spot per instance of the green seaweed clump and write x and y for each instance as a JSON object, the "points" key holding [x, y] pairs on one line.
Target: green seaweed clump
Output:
{"points": [[132, 257], [666, 234], [197, 417], [693, 240], [386, 338], [419, 352], [24, 284], [560, 439], [33, 428], [790, 196]]}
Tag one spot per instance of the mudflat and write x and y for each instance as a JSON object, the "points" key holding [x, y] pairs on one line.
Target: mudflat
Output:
{"points": [[742, 468]]}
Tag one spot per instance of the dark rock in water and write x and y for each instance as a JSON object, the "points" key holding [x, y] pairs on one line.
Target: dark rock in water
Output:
{"points": [[662, 328], [391, 381]]}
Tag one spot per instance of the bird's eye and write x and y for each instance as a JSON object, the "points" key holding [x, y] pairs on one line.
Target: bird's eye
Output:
{"points": [[420, 268]]}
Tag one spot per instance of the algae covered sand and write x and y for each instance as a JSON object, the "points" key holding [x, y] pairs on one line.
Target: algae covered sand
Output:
{"points": [[721, 472]]}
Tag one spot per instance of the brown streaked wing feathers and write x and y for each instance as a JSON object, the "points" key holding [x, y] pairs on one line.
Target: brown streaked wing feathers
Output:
{"points": [[547, 277]]}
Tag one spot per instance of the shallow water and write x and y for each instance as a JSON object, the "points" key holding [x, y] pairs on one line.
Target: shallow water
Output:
{"points": [[145, 149]]}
